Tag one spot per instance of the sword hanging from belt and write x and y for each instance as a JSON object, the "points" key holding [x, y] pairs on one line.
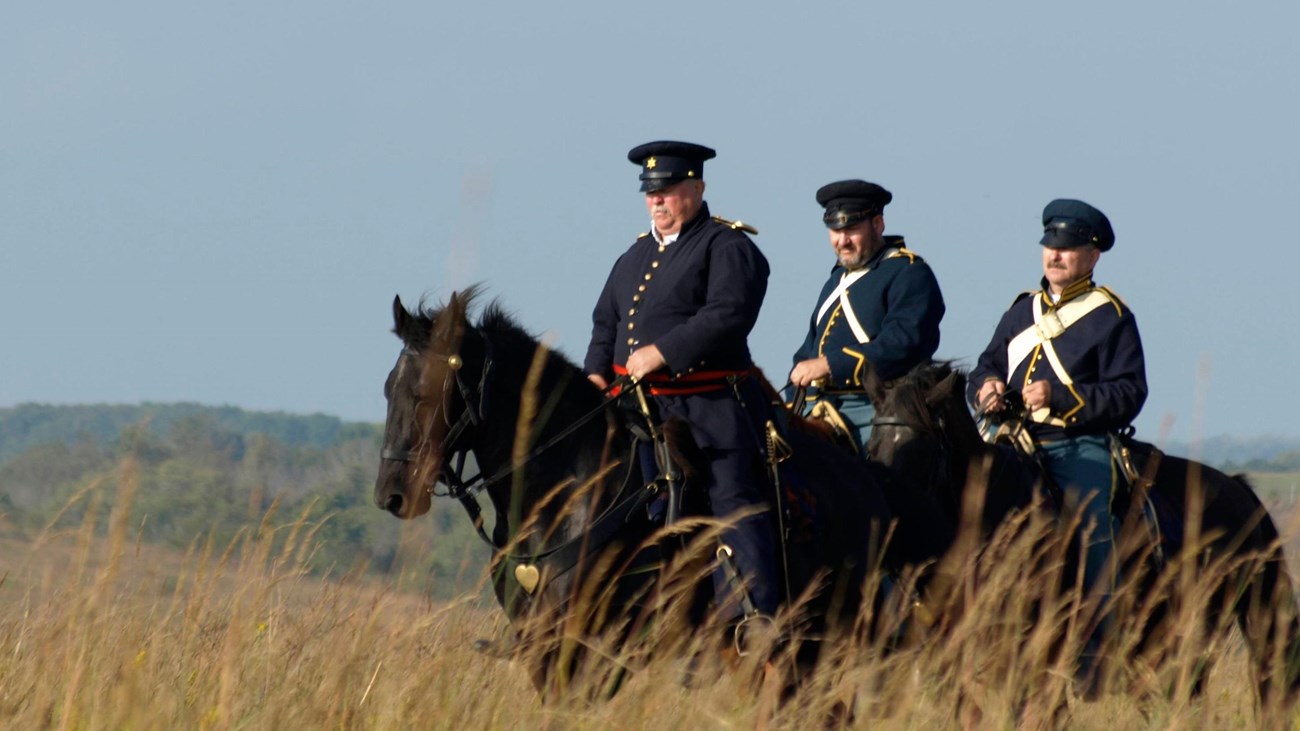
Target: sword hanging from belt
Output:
{"points": [[668, 471], [727, 557]]}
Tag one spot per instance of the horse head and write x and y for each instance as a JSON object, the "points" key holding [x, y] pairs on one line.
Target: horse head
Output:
{"points": [[434, 394], [917, 427], [926, 434], [912, 411]]}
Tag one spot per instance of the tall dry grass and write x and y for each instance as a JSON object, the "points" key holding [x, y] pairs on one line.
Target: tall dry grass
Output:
{"points": [[99, 632]]}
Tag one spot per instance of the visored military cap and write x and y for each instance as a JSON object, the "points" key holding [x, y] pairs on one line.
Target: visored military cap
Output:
{"points": [[665, 163], [1068, 223], [849, 201]]}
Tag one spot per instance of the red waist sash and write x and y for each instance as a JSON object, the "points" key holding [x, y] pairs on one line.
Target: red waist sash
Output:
{"points": [[662, 384]]}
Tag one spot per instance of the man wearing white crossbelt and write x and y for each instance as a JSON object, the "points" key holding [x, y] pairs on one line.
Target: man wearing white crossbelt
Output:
{"points": [[1072, 352], [880, 308]]}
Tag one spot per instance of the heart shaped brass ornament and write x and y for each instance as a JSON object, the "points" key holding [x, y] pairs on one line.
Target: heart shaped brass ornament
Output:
{"points": [[527, 575]]}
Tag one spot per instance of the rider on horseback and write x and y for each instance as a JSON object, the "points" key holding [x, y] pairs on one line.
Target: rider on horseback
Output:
{"points": [[881, 305], [1072, 353], [675, 313]]}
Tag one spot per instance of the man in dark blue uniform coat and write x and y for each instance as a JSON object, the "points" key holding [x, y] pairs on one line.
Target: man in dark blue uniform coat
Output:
{"points": [[881, 305], [676, 312], [1072, 351]]}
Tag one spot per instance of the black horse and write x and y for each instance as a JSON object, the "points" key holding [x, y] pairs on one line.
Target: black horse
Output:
{"points": [[1210, 525], [577, 559]]}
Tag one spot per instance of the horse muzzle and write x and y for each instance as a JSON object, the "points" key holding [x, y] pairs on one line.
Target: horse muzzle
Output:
{"points": [[397, 492]]}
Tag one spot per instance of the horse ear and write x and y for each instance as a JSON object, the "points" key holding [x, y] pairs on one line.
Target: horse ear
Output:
{"points": [[942, 390], [456, 307], [451, 323], [402, 320], [400, 315]]}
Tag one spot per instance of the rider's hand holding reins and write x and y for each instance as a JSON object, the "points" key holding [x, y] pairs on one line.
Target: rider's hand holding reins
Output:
{"points": [[645, 361], [1037, 395], [990, 396], [807, 371]]}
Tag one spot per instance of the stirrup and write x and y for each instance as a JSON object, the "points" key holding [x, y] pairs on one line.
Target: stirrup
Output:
{"points": [[749, 627]]}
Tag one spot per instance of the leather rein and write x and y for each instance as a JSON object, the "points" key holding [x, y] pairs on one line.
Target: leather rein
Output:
{"points": [[465, 490]]}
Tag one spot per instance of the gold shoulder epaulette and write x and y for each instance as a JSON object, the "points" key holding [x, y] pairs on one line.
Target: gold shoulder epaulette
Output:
{"points": [[741, 225], [1118, 301], [912, 256], [643, 234]]}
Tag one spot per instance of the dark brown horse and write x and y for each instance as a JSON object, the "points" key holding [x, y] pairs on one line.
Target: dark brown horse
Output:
{"points": [[579, 566], [1209, 525]]}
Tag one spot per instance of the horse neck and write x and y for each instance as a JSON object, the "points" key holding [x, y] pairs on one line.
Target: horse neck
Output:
{"points": [[966, 449], [964, 436], [561, 399]]}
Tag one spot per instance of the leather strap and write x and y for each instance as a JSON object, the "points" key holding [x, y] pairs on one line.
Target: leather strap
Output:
{"points": [[1049, 325]]}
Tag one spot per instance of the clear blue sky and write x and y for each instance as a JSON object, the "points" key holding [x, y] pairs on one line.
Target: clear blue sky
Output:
{"points": [[217, 203]]}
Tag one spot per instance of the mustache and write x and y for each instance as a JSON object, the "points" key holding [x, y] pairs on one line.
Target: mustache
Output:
{"points": [[1055, 265]]}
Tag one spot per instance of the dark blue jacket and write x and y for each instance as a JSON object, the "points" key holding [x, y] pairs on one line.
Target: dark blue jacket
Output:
{"points": [[1101, 353], [697, 300], [897, 303]]}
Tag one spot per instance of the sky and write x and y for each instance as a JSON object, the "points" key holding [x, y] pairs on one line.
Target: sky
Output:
{"points": [[218, 202]]}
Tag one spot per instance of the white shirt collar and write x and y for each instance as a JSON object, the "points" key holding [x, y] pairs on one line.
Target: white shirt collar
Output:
{"points": [[663, 240]]}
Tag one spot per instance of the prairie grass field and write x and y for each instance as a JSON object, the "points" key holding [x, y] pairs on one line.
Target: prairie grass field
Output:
{"points": [[101, 632], [1279, 489]]}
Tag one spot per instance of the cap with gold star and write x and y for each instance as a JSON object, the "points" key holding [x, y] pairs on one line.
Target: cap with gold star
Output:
{"points": [[665, 163]]}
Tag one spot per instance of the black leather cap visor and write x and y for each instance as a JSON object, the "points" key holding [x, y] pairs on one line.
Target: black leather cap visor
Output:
{"points": [[1067, 234], [837, 218]]}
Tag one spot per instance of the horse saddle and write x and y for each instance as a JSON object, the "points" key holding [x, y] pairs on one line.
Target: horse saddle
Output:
{"points": [[830, 419], [1008, 432], [1137, 464]]}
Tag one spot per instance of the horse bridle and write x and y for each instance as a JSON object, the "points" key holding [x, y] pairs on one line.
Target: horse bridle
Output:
{"points": [[475, 399], [451, 472], [892, 421], [560, 558], [940, 465]]}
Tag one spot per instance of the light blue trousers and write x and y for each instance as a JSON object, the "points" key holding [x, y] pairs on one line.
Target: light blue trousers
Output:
{"points": [[1082, 468]]}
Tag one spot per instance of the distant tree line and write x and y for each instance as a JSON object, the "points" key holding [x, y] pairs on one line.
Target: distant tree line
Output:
{"points": [[200, 473], [28, 425], [214, 473], [1263, 453], [1285, 462]]}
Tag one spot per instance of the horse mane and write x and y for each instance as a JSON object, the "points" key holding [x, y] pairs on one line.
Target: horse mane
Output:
{"points": [[500, 324], [512, 348], [912, 389]]}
